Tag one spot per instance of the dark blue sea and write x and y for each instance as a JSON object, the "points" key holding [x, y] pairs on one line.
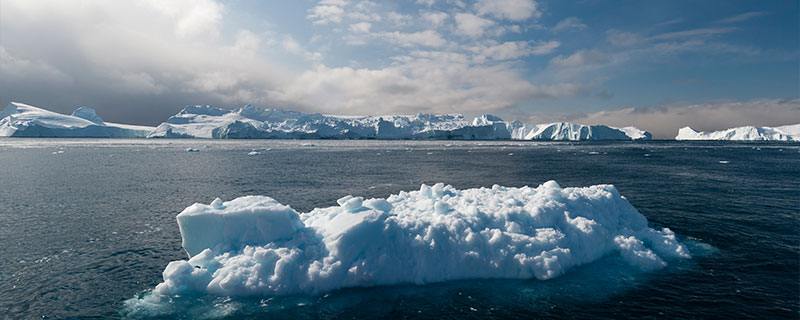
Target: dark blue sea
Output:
{"points": [[87, 224]]}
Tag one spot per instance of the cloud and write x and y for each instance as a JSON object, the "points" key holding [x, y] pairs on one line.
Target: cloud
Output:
{"points": [[20, 69], [515, 10], [569, 24], [423, 81], [694, 33], [669, 22], [743, 17], [399, 19], [325, 14], [622, 38], [664, 121], [514, 50], [361, 27], [135, 61], [194, 18], [427, 38], [428, 3], [580, 58], [435, 18], [471, 25]]}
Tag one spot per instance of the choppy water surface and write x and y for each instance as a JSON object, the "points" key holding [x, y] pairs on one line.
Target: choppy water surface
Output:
{"points": [[87, 224]]}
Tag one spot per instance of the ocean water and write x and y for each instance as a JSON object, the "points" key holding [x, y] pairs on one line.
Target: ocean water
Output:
{"points": [[87, 224]]}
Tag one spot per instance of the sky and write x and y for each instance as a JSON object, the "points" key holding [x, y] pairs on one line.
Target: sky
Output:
{"points": [[657, 65]]}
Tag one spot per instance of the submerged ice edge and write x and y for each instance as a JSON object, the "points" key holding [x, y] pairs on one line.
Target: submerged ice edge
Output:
{"points": [[255, 246]]}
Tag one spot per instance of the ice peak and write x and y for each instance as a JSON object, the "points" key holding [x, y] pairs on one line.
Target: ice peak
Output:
{"points": [[9, 110], [486, 119], [88, 114], [204, 110]]}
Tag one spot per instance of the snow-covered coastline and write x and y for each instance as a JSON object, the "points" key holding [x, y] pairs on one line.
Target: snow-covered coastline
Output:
{"points": [[746, 133]]}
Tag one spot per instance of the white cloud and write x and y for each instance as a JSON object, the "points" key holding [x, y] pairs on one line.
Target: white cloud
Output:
{"points": [[340, 3], [324, 14], [427, 38], [399, 19], [361, 27], [433, 82], [292, 46], [693, 33], [247, 42], [664, 121], [428, 3], [623, 38], [194, 18], [142, 50], [580, 58], [471, 25], [12, 67], [514, 50], [743, 17], [542, 48], [515, 10], [569, 24], [435, 18]]}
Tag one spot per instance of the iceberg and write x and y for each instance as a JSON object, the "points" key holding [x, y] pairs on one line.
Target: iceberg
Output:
{"points": [[746, 133], [22, 120], [250, 122], [256, 246], [574, 132]]}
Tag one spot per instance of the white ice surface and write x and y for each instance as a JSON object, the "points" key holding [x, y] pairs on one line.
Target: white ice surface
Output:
{"points": [[255, 246], [21, 120], [747, 133]]}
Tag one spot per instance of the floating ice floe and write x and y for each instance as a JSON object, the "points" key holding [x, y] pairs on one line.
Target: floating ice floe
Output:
{"points": [[255, 246]]}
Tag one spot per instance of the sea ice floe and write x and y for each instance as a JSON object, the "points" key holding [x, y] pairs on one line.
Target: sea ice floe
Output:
{"points": [[255, 246]]}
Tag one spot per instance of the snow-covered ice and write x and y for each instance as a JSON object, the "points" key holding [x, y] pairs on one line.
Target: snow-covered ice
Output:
{"points": [[255, 246], [203, 121], [21, 120], [251, 122], [746, 133]]}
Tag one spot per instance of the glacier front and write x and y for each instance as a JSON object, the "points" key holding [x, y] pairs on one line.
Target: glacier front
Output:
{"points": [[251, 122], [255, 246], [22, 120], [746, 133]]}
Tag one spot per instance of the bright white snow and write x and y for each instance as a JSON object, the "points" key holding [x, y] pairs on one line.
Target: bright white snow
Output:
{"points": [[251, 122], [255, 246], [21, 120], [748, 133]]}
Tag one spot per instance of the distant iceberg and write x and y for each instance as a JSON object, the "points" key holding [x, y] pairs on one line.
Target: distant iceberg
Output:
{"points": [[208, 122], [747, 133], [251, 122], [255, 246], [22, 120]]}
